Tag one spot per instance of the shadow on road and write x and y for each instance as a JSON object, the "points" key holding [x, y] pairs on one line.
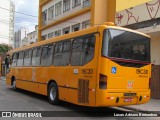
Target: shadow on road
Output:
{"points": [[74, 110]]}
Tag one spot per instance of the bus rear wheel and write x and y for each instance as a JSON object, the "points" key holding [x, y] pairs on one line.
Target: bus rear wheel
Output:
{"points": [[53, 95]]}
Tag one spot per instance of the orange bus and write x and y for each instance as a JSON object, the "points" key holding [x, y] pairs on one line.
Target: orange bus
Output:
{"points": [[99, 66]]}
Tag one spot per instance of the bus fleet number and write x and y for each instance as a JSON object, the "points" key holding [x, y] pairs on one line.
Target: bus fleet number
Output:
{"points": [[87, 71], [141, 71]]}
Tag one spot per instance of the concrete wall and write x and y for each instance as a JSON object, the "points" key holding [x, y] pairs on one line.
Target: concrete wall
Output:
{"points": [[155, 50], [138, 14]]}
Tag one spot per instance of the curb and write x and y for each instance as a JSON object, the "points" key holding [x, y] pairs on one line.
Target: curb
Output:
{"points": [[141, 110]]}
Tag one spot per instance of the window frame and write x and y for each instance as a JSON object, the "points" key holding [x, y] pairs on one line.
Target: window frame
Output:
{"points": [[66, 29], [65, 5], [58, 8], [76, 3], [37, 55], [51, 11], [88, 35], [78, 25], [44, 17], [29, 56], [50, 44], [62, 51]]}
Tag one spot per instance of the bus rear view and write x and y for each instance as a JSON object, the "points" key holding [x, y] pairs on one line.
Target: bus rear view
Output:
{"points": [[124, 68]]}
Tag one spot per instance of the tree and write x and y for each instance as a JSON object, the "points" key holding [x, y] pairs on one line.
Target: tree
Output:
{"points": [[4, 48]]}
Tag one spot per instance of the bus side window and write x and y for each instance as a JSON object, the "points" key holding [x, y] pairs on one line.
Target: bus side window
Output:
{"points": [[76, 55], [36, 56], [66, 53], [20, 59], [58, 54], [14, 61], [47, 55], [27, 57], [88, 49], [33, 63]]}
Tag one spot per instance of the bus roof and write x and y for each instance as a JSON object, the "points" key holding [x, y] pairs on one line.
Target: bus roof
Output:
{"points": [[129, 30], [72, 35]]}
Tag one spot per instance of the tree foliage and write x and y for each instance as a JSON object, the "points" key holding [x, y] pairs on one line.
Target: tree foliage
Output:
{"points": [[4, 48]]}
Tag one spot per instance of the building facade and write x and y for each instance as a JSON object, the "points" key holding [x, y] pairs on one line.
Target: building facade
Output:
{"points": [[32, 36], [7, 9], [58, 17], [20, 37]]}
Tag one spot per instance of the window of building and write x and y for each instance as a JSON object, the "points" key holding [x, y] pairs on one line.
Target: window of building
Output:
{"points": [[44, 17], [66, 5], [76, 27], [47, 55], [58, 8], [36, 56], [51, 12], [50, 35], [44, 37], [86, 3], [66, 30], [82, 50], [20, 59], [76, 3], [86, 24], [27, 57], [57, 33]]}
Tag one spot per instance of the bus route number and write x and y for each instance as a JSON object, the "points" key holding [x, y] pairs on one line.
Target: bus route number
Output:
{"points": [[87, 71], [141, 71]]}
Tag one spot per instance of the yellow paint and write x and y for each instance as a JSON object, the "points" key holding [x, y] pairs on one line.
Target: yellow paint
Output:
{"points": [[67, 80], [125, 4], [102, 11]]}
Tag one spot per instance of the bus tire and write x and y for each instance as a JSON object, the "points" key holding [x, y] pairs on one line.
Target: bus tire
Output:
{"points": [[14, 85], [53, 95]]}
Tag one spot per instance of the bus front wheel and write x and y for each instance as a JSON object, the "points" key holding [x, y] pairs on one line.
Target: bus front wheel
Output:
{"points": [[53, 95], [14, 85]]}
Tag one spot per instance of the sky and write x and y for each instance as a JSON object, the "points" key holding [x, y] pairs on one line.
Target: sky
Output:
{"points": [[29, 7]]}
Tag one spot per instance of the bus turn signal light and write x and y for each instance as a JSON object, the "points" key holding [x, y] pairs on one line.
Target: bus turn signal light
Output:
{"points": [[102, 81]]}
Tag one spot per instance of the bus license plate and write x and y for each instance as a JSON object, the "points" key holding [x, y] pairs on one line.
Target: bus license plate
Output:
{"points": [[128, 99]]}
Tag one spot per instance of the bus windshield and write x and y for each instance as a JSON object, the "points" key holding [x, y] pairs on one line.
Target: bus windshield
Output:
{"points": [[125, 45]]}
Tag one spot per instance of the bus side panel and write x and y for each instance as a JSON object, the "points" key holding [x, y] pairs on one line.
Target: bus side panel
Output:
{"points": [[27, 74], [13, 72], [33, 87]]}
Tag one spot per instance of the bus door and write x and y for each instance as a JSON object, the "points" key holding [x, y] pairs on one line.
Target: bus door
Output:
{"points": [[19, 65]]}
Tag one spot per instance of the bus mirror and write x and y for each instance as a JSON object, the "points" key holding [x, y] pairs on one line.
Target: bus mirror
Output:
{"points": [[7, 62]]}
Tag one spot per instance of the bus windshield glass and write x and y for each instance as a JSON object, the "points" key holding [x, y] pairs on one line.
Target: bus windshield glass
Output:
{"points": [[125, 45]]}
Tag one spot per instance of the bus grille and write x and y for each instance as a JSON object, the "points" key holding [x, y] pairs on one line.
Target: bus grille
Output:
{"points": [[83, 91]]}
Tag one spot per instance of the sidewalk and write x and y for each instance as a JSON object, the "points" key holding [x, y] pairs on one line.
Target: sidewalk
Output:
{"points": [[3, 78], [153, 106]]}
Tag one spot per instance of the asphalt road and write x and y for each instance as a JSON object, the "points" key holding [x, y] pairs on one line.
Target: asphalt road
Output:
{"points": [[26, 101]]}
